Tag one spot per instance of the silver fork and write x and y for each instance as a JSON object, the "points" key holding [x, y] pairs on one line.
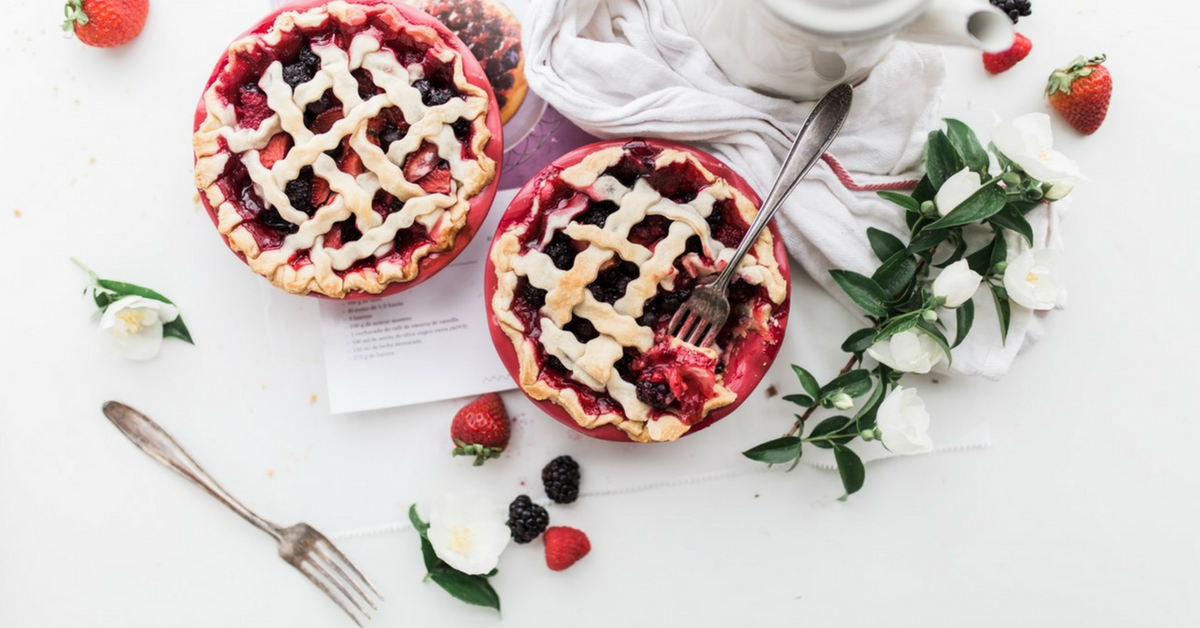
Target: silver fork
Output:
{"points": [[702, 316], [300, 545]]}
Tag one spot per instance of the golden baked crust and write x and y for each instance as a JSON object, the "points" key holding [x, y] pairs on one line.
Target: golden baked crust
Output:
{"points": [[567, 295], [338, 270]]}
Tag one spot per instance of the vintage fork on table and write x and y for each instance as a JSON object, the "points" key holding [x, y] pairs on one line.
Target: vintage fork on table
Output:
{"points": [[300, 545], [702, 316]]}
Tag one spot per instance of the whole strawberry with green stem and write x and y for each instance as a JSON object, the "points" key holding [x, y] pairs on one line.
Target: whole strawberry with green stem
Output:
{"points": [[105, 23], [481, 429], [1081, 92]]}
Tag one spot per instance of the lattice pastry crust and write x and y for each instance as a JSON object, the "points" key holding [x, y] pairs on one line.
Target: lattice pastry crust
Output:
{"points": [[220, 139], [592, 363]]}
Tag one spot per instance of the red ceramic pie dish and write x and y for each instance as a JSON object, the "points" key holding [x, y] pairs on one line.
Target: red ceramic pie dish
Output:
{"points": [[747, 359], [480, 203]]}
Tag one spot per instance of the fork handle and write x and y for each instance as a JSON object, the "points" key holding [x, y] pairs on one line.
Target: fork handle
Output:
{"points": [[823, 124], [153, 440]]}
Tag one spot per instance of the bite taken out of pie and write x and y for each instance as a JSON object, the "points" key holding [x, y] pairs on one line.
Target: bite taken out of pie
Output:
{"points": [[593, 258], [347, 149]]}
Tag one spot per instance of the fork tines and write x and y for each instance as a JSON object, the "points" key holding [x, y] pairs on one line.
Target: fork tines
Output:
{"points": [[328, 568]]}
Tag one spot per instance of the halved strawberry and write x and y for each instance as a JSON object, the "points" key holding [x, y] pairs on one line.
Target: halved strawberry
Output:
{"points": [[421, 162], [436, 182], [254, 108], [350, 162], [275, 150], [326, 119], [320, 192]]}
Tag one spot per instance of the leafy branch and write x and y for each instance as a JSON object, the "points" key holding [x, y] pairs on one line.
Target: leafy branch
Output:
{"points": [[900, 300]]}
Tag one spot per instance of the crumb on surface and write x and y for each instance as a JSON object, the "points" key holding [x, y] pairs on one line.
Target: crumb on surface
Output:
{"points": [[312, 398], [270, 473], [16, 213], [935, 381], [771, 392], [91, 160]]}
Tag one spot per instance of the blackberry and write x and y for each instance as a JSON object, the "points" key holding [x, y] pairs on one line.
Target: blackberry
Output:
{"points": [[1016, 9], [561, 251], [654, 394], [526, 519], [297, 73], [299, 191], [561, 480]]}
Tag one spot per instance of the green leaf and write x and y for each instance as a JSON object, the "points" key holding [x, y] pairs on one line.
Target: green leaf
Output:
{"points": [[983, 204], [862, 290], [964, 141], [801, 400], [1003, 310], [127, 289], [807, 381], [776, 451], [103, 298], [176, 329], [925, 190], [927, 239], [883, 243], [474, 590], [850, 467], [1012, 219], [941, 160], [897, 324], [903, 200], [420, 526], [1005, 162], [981, 261], [896, 274], [938, 337], [965, 317], [859, 341], [865, 419], [999, 252], [856, 383], [957, 254], [432, 562], [832, 425]]}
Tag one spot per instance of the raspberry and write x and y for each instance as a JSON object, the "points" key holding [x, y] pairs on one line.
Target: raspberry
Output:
{"points": [[561, 480], [565, 546], [526, 519]]}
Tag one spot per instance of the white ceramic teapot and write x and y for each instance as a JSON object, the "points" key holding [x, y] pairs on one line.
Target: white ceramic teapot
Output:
{"points": [[799, 49]]}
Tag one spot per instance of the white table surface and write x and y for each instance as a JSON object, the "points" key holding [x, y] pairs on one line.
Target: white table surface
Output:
{"points": [[1083, 513]]}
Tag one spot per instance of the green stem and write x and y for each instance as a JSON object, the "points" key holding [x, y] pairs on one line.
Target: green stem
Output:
{"points": [[91, 273], [808, 413]]}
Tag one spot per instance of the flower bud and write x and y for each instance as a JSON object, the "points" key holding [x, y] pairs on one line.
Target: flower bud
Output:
{"points": [[1035, 194], [999, 267], [929, 315], [1058, 191], [928, 210], [867, 435], [842, 401], [1011, 178]]}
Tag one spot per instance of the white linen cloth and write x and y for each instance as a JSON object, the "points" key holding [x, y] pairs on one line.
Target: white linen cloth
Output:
{"points": [[621, 68]]}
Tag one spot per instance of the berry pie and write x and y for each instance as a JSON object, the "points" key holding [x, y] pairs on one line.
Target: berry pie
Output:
{"points": [[493, 34], [594, 257], [341, 144]]}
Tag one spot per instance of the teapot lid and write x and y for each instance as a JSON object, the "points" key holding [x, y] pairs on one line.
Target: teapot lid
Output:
{"points": [[847, 19]]}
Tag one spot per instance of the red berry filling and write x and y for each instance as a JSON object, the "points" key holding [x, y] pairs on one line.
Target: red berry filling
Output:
{"points": [[670, 376]]}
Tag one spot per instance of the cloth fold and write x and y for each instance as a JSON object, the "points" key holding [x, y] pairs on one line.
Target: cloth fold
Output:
{"points": [[620, 68]]}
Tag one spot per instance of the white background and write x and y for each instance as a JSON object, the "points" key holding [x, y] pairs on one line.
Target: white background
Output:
{"points": [[1083, 513]]}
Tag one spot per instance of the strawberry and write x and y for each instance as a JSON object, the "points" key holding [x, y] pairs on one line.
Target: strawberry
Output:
{"points": [[275, 150], [105, 23], [421, 162], [436, 182], [326, 119], [564, 547], [997, 62], [350, 162], [253, 107], [1081, 92], [320, 192], [481, 429]]}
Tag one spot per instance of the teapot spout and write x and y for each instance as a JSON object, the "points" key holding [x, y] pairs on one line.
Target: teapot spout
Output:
{"points": [[973, 23]]}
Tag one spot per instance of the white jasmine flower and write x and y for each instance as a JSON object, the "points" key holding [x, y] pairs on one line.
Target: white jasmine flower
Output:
{"points": [[956, 189], [132, 327], [1028, 142], [1033, 280], [957, 284], [912, 351], [468, 532], [903, 423]]}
